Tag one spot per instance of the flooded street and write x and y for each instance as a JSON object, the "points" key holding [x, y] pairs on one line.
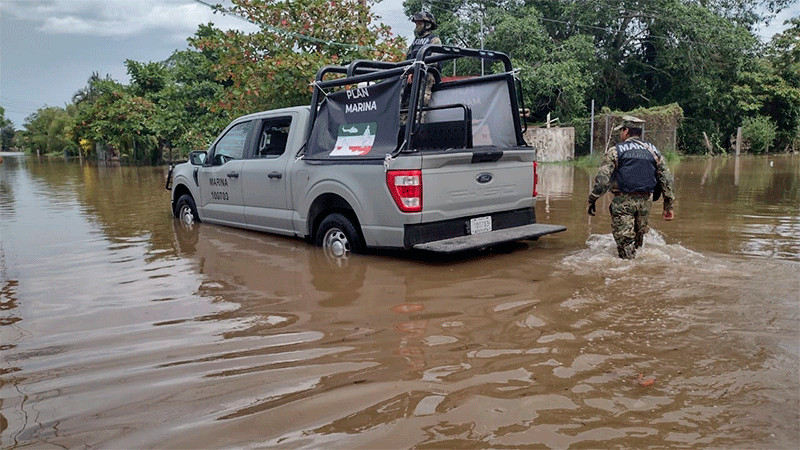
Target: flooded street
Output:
{"points": [[121, 329]]}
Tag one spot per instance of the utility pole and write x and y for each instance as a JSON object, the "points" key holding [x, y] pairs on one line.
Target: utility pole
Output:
{"points": [[481, 34], [738, 140], [591, 132]]}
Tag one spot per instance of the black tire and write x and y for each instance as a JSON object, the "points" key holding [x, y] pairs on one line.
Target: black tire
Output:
{"points": [[338, 237], [186, 211]]}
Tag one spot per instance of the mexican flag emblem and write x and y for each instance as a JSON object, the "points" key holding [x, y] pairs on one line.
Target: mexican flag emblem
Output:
{"points": [[355, 139]]}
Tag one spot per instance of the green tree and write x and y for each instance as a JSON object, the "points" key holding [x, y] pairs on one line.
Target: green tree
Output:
{"points": [[182, 90], [274, 66], [557, 75], [114, 115], [92, 90], [760, 132], [45, 132], [121, 120], [147, 78], [6, 131], [643, 53], [783, 57], [84, 103]]}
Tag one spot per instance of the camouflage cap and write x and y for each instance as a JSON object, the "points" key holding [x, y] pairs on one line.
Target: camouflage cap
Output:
{"points": [[629, 122]]}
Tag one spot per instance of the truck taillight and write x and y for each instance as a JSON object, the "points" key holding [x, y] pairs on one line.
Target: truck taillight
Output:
{"points": [[406, 189], [535, 179]]}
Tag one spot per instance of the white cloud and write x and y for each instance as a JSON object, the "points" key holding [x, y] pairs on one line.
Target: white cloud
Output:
{"points": [[178, 19], [391, 13]]}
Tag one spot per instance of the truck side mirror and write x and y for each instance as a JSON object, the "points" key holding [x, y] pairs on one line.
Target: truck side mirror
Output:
{"points": [[198, 158]]}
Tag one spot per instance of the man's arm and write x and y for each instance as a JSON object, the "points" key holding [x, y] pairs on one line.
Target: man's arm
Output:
{"points": [[664, 177], [602, 180]]}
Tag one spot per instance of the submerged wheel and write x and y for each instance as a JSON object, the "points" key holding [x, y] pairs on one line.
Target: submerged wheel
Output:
{"points": [[186, 210], [338, 237]]}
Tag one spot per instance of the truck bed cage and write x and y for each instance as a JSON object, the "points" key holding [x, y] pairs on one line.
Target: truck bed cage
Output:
{"points": [[456, 131]]}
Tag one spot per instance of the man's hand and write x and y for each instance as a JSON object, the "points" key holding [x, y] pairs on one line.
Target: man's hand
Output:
{"points": [[668, 215], [592, 208]]}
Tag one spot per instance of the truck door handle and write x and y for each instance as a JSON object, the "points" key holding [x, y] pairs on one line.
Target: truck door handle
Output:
{"points": [[233, 174], [275, 175]]}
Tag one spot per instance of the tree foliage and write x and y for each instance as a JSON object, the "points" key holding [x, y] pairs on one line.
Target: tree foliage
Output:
{"points": [[625, 55], [783, 106], [6, 131], [628, 54], [274, 67], [45, 131], [760, 132]]}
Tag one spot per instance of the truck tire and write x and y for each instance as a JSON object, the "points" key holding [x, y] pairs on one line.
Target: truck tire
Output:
{"points": [[186, 211], [338, 237]]}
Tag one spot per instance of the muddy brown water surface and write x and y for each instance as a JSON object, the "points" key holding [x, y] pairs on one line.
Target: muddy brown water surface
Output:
{"points": [[121, 329]]}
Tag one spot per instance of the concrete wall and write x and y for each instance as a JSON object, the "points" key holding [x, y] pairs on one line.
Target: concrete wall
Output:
{"points": [[552, 144], [664, 137]]}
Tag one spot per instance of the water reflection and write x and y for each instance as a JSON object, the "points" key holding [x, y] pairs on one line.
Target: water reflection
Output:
{"points": [[757, 215], [121, 328]]}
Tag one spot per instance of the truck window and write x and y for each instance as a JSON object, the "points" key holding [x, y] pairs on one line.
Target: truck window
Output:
{"points": [[232, 145], [273, 137]]}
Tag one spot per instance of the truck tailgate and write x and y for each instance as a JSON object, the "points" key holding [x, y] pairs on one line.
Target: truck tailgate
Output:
{"points": [[476, 241], [473, 183]]}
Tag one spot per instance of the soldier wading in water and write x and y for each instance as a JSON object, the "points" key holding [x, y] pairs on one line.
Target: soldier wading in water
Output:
{"points": [[633, 170]]}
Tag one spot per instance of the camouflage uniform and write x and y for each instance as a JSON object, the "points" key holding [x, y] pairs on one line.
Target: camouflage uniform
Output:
{"points": [[426, 98], [426, 37], [630, 211]]}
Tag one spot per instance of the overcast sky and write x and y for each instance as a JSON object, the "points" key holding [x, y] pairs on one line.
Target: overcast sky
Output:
{"points": [[49, 48]]}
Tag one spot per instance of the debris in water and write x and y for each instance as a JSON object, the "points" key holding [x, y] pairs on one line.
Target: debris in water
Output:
{"points": [[645, 382], [408, 308]]}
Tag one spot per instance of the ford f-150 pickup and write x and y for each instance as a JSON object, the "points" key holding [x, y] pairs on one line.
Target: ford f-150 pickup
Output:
{"points": [[358, 169]]}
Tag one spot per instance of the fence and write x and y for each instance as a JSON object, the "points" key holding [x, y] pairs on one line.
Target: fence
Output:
{"points": [[663, 132]]}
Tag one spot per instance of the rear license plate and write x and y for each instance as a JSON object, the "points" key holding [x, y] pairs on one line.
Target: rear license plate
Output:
{"points": [[480, 225]]}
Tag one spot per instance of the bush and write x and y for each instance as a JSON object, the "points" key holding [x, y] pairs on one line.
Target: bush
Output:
{"points": [[760, 132]]}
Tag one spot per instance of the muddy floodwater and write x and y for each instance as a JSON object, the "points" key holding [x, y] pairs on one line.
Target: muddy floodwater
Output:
{"points": [[119, 328]]}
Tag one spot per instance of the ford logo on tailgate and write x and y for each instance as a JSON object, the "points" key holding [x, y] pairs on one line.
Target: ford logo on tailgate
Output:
{"points": [[484, 178]]}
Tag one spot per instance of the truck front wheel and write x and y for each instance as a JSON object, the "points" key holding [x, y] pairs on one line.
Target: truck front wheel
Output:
{"points": [[338, 237], [186, 210]]}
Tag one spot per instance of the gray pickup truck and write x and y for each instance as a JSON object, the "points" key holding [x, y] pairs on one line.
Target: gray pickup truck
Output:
{"points": [[357, 169]]}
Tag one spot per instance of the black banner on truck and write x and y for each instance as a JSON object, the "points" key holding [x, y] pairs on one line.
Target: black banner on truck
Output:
{"points": [[360, 123]]}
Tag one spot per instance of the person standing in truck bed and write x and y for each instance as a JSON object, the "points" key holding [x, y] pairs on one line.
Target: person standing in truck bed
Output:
{"points": [[424, 24], [632, 170]]}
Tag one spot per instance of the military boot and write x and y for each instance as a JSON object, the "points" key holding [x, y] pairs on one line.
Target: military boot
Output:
{"points": [[627, 251], [639, 241]]}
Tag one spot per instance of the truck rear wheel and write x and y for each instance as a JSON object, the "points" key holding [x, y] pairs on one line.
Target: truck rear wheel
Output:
{"points": [[186, 210], [338, 237]]}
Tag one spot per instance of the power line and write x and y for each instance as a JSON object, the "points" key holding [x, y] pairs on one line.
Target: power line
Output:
{"points": [[449, 5]]}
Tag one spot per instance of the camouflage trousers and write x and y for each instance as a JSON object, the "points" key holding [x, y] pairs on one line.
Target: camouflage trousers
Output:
{"points": [[426, 98], [629, 222]]}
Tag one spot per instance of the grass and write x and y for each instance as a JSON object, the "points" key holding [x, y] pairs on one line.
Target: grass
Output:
{"points": [[595, 159]]}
